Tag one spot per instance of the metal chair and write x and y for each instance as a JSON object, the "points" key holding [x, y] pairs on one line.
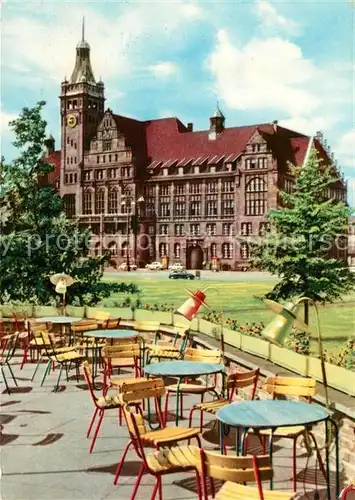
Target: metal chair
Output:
{"points": [[290, 386], [198, 386], [150, 328], [160, 463], [6, 357], [236, 471], [142, 390], [235, 381]]}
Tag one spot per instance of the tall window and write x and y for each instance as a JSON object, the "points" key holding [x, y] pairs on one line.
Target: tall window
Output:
{"points": [[195, 229], [100, 202], [124, 249], [164, 209], [87, 203], [211, 229], [179, 207], [227, 250], [250, 163], [112, 248], [262, 163], [69, 204], [107, 145], [163, 250], [164, 229], [179, 229], [264, 228], [213, 250], [212, 187], [227, 186], [227, 229], [179, 188], [164, 190], [211, 207], [99, 175], [227, 207], [256, 197], [195, 188], [244, 250], [177, 251], [246, 228], [113, 201], [195, 208]]}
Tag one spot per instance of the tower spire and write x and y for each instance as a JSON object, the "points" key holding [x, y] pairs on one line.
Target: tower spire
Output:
{"points": [[83, 29]]}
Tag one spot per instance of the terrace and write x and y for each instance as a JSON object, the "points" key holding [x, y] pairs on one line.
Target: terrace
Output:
{"points": [[45, 450]]}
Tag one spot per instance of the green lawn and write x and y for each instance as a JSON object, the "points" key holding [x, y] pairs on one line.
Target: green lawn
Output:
{"points": [[239, 301]]}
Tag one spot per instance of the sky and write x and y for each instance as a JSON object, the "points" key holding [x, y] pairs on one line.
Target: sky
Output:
{"points": [[262, 60]]}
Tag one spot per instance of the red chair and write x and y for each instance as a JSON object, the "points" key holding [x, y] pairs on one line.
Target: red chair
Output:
{"points": [[165, 461]]}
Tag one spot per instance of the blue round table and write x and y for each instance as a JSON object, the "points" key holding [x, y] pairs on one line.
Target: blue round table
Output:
{"points": [[271, 414], [112, 334], [181, 369]]}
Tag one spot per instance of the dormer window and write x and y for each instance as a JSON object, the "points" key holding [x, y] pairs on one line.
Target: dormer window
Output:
{"points": [[196, 169], [165, 171], [212, 169], [229, 167], [181, 171]]}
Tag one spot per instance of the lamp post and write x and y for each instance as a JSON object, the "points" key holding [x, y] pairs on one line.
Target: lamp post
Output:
{"points": [[276, 331], [130, 200]]}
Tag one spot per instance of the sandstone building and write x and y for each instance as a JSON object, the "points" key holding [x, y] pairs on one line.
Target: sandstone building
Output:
{"points": [[158, 188]]}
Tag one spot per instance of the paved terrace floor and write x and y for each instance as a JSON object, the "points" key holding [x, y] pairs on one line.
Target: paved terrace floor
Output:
{"points": [[45, 452]]}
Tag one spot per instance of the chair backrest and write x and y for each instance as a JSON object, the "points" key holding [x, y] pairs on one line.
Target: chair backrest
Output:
{"points": [[87, 370], [36, 328], [84, 325], [10, 346], [291, 386], [101, 315], [203, 355], [240, 380], [47, 343], [123, 349], [235, 469], [140, 389], [112, 323], [147, 326], [136, 428]]}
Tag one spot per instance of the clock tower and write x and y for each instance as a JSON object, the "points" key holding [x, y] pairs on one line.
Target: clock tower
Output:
{"points": [[82, 107]]}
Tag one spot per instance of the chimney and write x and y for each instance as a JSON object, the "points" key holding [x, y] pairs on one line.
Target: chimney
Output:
{"points": [[190, 127], [274, 125]]}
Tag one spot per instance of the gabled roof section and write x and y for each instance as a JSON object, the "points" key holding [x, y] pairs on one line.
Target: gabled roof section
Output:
{"points": [[53, 159]]}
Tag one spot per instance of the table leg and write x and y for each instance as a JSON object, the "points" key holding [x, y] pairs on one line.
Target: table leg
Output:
{"points": [[177, 402], [221, 435], [327, 458], [270, 454], [241, 440], [337, 462]]}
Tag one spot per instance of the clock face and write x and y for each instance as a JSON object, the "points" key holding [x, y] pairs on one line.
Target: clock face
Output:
{"points": [[71, 121]]}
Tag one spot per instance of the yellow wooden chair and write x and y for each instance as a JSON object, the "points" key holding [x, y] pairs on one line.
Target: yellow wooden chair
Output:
{"points": [[63, 359], [235, 381], [302, 387], [101, 317], [198, 386], [165, 436], [5, 358], [102, 403], [124, 353], [236, 471], [112, 323]]}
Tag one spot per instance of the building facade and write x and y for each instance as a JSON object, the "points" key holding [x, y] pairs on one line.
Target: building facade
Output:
{"points": [[158, 189]]}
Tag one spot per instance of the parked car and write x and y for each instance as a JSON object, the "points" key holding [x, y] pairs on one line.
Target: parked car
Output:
{"points": [[181, 275], [124, 267], [154, 266], [177, 267]]}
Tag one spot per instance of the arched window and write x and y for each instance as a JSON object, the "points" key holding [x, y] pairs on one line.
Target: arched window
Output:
{"points": [[177, 250], [256, 197], [100, 201], [87, 202], [163, 250], [124, 249], [112, 248], [213, 250], [244, 250], [113, 201], [227, 250]]}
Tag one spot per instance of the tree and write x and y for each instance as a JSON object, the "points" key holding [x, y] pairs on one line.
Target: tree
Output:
{"points": [[303, 231], [37, 239]]}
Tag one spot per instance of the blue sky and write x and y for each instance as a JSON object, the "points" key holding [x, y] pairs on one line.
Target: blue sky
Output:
{"points": [[261, 59]]}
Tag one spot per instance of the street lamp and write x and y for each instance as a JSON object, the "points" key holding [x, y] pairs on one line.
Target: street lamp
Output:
{"points": [[131, 221]]}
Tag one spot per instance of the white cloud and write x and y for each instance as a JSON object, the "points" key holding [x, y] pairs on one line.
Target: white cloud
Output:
{"points": [[345, 149], [271, 20], [351, 192], [5, 118], [309, 124], [269, 73], [191, 11], [164, 69]]}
